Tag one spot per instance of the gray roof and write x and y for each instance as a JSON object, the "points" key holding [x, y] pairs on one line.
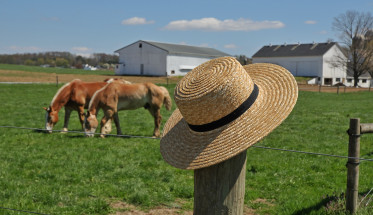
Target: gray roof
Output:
{"points": [[295, 50], [185, 49]]}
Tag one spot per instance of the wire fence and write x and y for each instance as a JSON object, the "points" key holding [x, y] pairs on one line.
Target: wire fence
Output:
{"points": [[157, 138]]}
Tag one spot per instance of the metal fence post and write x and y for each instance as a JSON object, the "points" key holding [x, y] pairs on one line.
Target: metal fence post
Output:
{"points": [[353, 165]]}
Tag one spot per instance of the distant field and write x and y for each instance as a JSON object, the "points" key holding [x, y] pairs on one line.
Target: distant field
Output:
{"points": [[36, 74], [70, 174], [54, 70]]}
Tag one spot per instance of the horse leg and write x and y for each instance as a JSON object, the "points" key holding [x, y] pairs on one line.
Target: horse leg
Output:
{"points": [[156, 113], [81, 116], [67, 119], [117, 124], [106, 123]]}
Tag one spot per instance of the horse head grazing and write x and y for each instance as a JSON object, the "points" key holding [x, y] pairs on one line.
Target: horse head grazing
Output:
{"points": [[90, 124], [51, 118]]}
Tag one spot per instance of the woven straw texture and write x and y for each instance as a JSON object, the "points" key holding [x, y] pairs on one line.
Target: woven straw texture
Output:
{"points": [[213, 90]]}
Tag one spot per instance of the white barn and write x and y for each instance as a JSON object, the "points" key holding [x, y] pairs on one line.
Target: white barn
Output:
{"points": [[162, 59], [310, 60]]}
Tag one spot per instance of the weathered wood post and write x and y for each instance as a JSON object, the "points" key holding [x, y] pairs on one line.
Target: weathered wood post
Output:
{"points": [[220, 189], [56, 80], [353, 165], [320, 88], [338, 89]]}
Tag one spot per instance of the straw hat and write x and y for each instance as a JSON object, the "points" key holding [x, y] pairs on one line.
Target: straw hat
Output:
{"points": [[224, 108]]}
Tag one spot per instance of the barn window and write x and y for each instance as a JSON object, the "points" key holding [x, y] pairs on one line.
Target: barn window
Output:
{"points": [[140, 45], [349, 80], [338, 79], [327, 81], [364, 80], [172, 71]]}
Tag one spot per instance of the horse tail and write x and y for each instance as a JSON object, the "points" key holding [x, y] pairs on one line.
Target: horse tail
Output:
{"points": [[167, 99]]}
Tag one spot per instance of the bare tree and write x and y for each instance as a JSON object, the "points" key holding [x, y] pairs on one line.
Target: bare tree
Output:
{"points": [[353, 29]]}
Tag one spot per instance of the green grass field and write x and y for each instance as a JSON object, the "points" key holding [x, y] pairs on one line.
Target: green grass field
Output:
{"points": [[53, 70], [70, 174]]}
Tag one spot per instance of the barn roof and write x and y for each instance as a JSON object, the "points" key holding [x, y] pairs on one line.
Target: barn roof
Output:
{"points": [[184, 49], [295, 50]]}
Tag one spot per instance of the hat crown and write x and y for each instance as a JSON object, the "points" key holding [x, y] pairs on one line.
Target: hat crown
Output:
{"points": [[212, 90]]}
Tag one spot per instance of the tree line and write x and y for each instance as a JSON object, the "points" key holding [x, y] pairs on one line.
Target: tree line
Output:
{"points": [[60, 59]]}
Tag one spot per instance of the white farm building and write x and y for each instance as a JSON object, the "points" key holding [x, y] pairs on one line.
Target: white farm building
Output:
{"points": [[313, 60], [162, 59]]}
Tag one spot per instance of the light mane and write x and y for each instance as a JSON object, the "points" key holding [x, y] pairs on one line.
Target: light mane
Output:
{"points": [[58, 92], [94, 96]]}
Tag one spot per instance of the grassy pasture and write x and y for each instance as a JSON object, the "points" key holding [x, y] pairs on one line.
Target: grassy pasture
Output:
{"points": [[56, 70], [70, 174]]}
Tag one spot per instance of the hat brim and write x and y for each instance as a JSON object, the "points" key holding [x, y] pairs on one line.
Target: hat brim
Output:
{"points": [[187, 149]]}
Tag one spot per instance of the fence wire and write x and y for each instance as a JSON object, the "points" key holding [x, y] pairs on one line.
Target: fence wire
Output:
{"points": [[157, 138]]}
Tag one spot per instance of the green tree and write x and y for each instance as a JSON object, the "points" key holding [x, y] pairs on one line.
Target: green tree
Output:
{"points": [[40, 61], [29, 62], [243, 59], [61, 62]]}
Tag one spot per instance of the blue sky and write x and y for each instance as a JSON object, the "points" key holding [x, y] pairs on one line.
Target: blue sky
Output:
{"points": [[232, 26]]}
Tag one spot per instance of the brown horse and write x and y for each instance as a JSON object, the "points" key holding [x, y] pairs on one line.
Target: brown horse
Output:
{"points": [[74, 95], [118, 96]]}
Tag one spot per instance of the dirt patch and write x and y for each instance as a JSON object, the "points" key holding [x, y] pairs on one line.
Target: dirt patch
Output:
{"points": [[40, 77], [123, 208]]}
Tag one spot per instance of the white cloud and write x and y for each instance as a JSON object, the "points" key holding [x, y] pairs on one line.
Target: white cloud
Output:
{"points": [[87, 55], [213, 24], [136, 21], [23, 49], [230, 46], [310, 22], [81, 49]]}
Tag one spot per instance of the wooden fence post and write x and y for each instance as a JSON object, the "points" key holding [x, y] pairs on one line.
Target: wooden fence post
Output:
{"points": [[353, 165], [56, 80], [320, 88], [220, 189]]}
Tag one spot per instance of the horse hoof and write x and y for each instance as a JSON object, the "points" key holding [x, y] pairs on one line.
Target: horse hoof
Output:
{"points": [[64, 130]]}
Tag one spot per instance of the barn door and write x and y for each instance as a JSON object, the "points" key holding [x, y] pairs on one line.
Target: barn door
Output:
{"points": [[142, 69]]}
